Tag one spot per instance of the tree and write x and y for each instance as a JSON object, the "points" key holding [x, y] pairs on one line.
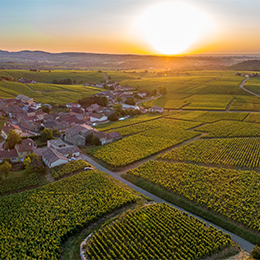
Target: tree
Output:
{"points": [[113, 117], [12, 139], [95, 140], [92, 139], [130, 101], [119, 99], [5, 168], [46, 134], [27, 161], [46, 109], [88, 140], [118, 108]]}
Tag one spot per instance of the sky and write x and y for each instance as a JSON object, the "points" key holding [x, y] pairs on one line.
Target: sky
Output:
{"points": [[117, 26]]}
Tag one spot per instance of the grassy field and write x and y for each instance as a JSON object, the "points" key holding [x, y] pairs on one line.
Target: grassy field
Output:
{"points": [[47, 77]]}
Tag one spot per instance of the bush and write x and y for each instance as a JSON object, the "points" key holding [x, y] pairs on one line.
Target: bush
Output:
{"points": [[256, 252]]}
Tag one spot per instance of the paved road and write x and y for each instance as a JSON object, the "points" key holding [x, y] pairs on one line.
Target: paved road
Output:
{"points": [[242, 86], [242, 242]]}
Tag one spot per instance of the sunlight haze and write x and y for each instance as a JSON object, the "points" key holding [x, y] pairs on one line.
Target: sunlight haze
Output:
{"points": [[110, 26]]}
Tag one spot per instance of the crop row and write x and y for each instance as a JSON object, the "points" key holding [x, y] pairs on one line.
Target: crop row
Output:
{"points": [[128, 122], [229, 193], [35, 223], [156, 232], [71, 167], [155, 124], [206, 117], [26, 181], [144, 144], [227, 128], [231, 152]]}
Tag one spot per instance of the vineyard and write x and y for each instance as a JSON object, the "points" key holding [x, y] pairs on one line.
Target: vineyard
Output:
{"points": [[210, 102], [164, 134], [46, 76], [156, 232], [35, 223], [230, 129], [229, 193], [242, 102], [71, 167], [7, 185], [206, 117], [128, 122], [230, 152], [155, 124]]}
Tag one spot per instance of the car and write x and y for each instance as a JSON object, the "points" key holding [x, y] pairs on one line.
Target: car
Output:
{"points": [[88, 168], [72, 159]]}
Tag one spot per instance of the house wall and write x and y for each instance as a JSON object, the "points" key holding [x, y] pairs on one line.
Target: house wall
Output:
{"points": [[58, 162]]}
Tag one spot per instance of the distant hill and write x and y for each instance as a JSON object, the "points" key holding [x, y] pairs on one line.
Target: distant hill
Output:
{"points": [[249, 65], [69, 60]]}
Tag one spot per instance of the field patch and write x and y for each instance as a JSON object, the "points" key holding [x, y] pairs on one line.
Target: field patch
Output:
{"points": [[230, 193], [156, 232], [208, 102], [165, 134], [226, 128], [35, 223], [229, 152]]}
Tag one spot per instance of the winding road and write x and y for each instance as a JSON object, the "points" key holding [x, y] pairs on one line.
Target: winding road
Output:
{"points": [[242, 86], [247, 246]]}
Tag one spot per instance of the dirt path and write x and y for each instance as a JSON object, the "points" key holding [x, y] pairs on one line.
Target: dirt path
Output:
{"points": [[243, 255], [230, 104]]}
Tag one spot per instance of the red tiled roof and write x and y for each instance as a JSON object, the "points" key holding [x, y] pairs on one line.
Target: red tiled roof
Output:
{"points": [[8, 153]]}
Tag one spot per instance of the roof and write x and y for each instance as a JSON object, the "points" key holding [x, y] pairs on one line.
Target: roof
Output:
{"points": [[95, 115], [75, 130], [156, 107], [68, 150], [8, 153], [10, 126], [27, 145], [57, 142], [52, 155], [23, 97], [115, 135], [39, 151]]}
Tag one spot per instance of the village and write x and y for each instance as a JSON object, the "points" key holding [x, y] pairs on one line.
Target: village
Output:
{"points": [[28, 119]]}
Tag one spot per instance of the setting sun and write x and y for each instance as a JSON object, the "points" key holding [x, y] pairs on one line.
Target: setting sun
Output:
{"points": [[173, 27]]}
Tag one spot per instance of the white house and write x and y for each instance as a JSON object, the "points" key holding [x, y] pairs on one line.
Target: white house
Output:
{"points": [[156, 109], [97, 117], [52, 158]]}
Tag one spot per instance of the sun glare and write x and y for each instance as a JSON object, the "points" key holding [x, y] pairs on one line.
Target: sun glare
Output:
{"points": [[172, 27]]}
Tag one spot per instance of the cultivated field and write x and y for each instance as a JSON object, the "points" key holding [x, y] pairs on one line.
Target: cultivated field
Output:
{"points": [[156, 232], [47, 77], [229, 193], [237, 152], [47, 93], [34, 223], [149, 139]]}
